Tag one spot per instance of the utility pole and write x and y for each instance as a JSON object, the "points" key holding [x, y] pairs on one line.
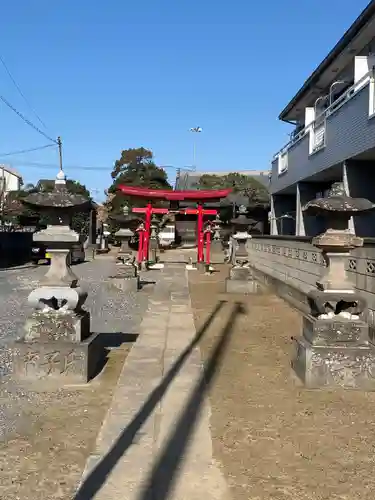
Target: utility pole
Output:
{"points": [[59, 143]]}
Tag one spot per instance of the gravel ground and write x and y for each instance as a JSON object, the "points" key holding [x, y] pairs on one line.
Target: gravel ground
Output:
{"points": [[22, 409], [275, 439]]}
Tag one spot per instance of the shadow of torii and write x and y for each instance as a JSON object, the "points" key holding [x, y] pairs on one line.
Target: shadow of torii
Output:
{"points": [[98, 476]]}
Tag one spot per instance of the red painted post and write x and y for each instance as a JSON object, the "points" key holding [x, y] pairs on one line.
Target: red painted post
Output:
{"points": [[147, 231], [200, 242], [148, 211]]}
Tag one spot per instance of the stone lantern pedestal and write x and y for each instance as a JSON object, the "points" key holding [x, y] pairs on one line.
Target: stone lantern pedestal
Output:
{"points": [[240, 276], [153, 262], [57, 342], [217, 248], [334, 350], [126, 277]]}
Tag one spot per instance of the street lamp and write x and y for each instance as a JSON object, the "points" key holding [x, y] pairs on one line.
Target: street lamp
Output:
{"points": [[195, 130]]}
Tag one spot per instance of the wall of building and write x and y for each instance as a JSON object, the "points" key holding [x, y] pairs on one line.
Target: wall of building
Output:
{"points": [[11, 182], [306, 225], [280, 206], [361, 184], [349, 132]]}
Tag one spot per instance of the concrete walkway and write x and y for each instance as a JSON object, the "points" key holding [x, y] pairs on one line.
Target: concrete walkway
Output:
{"points": [[155, 442]]}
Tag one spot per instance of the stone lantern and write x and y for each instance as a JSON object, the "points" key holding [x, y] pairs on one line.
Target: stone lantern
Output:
{"points": [[240, 278], [335, 348], [154, 245], [126, 277], [57, 340], [217, 248]]}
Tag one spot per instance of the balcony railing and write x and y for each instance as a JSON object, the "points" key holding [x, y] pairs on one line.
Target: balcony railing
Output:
{"points": [[317, 128]]}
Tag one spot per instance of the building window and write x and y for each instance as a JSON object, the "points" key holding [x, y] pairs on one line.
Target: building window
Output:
{"points": [[283, 162], [318, 134]]}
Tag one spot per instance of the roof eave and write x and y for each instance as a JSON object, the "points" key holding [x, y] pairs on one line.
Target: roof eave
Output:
{"points": [[367, 14]]}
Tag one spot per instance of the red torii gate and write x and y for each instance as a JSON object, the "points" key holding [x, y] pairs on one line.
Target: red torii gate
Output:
{"points": [[174, 196]]}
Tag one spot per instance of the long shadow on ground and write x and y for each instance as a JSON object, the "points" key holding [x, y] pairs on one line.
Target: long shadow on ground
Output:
{"points": [[165, 471], [98, 476]]}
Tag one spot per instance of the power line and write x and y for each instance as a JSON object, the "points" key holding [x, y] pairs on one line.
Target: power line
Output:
{"points": [[21, 151], [76, 167], [20, 92], [56, 166], [26, 120]]}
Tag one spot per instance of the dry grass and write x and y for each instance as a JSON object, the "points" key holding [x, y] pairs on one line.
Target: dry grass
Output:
{"points": [[46, 457], [274, 439]]}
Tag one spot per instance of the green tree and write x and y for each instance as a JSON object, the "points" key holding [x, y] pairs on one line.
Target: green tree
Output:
{"points": [[246, 190], [136, 167], [246, 185]]}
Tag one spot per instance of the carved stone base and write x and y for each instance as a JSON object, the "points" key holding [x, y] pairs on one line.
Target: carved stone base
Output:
{"points": [[240, 273], [125, 271], [54, 326], [71, 362], [126, 284], [335, 331], [241, 286], [334, 366]]}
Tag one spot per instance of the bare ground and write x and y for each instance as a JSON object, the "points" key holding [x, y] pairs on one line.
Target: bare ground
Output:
{"points": [[275, 439], [45, 458]]}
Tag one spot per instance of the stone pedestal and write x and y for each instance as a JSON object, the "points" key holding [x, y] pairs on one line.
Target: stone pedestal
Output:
{"points": [[58, 345], [241, 281], [127, 280], [334, 353], [57, 340], [126, 277]]}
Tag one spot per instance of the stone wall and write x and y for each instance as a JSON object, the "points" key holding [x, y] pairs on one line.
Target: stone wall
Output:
{"points": [[292, 265]]}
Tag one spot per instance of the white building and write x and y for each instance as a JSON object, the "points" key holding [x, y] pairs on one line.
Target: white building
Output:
{"points": [[10, 179], [333, 140]]}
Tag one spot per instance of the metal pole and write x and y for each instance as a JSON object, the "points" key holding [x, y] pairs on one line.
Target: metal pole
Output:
{"points": [[338, 82]]}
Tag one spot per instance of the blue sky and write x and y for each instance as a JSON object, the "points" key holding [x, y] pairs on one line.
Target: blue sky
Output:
{"points": [[109, 75]]}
